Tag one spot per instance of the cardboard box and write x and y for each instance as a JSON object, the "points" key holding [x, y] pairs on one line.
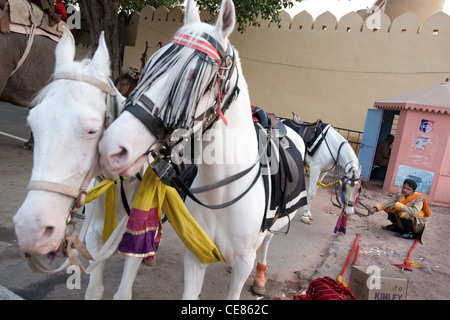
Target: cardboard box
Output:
{"points": [[375, 283]]}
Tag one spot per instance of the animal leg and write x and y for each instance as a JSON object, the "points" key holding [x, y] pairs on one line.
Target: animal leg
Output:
{"points": [[130, 271], [194, 275], [314, 177], [95, 287], [239, 275], [312, 189], [259, 284]]}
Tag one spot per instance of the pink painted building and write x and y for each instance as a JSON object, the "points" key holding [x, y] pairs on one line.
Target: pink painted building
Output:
{"points": [[421, 150]]}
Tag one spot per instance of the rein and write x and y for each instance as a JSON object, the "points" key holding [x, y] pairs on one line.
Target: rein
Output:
{"points": [[79, 194]]}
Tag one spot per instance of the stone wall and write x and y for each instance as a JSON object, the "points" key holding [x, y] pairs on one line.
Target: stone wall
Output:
{"points": [[323, 68]]}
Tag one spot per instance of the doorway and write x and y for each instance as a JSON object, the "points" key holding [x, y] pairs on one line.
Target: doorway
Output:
{"points": [[379, 124]]}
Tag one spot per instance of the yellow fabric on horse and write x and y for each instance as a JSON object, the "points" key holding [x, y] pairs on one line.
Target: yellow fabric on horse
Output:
{"points": [[322, 185], [153, 193], [110, 220]]}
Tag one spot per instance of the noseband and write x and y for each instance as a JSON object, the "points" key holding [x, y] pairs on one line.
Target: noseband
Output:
{"points": [[79, 194]]}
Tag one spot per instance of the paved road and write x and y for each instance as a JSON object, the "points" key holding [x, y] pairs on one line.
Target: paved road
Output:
{"points": [[13, 122]]}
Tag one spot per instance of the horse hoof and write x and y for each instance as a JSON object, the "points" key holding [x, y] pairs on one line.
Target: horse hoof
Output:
{"points": [[258, 289], [149, 263], [306, 220]]}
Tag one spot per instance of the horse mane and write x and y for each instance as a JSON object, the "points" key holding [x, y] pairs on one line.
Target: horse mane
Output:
{"points": [[189, 73]]}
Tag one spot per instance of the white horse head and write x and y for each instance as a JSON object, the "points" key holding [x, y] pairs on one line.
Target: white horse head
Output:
{"points": [[67, 123], [351, 186], [177, 93]]}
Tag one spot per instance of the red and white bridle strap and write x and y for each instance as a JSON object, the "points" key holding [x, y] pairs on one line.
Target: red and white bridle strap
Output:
{"points": [[199, 44]]}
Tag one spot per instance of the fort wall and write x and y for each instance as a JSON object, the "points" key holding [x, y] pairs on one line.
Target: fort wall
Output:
{"points": [[323, 68]]}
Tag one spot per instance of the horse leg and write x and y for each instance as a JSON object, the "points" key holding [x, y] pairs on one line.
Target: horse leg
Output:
{"points": [[242, 269], [95, 288], [130, 271], [259, 284], [194, 275], [312, 189], [314, 177]]}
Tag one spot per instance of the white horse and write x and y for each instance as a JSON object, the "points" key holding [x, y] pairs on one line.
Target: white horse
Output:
{"points": [[67, 123], [333, 153], [197, 77]]}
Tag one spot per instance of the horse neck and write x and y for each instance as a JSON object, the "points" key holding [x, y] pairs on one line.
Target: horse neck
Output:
{"points": [[346, 154], [238, 148]]}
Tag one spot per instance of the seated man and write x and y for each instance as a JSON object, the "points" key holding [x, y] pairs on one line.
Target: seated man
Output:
{"points": [[407, 210]]}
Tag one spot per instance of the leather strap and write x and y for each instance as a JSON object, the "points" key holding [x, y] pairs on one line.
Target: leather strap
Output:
{"points": [[29, 40], [153, 124], [78, 194], [88, 79], [53, 187]]}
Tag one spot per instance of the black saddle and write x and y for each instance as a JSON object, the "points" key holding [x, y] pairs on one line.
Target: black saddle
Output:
{"points": [[312, 133], [288, 182]]}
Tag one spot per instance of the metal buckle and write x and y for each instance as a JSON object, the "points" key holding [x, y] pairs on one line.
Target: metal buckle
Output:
{"points": [[163, 169]]}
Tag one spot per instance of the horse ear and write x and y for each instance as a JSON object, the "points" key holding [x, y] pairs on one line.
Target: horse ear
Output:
{"points": [[65, 49], [100, 64], [191, 14], [227, 19]]}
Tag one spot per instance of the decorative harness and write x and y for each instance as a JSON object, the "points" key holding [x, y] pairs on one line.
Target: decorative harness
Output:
{"points": [[145, 110]]}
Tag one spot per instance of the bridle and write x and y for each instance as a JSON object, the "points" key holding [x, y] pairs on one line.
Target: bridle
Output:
{"points": [[346, 183], [145, 110], [78, 194], [342, 201], [73, 245]]}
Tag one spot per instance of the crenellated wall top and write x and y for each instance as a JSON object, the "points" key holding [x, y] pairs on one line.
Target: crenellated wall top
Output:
{"points": [[437, 24]]}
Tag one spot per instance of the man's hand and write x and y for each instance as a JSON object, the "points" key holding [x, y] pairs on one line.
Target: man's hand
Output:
{"points": [[399, 205], [372, 210]]}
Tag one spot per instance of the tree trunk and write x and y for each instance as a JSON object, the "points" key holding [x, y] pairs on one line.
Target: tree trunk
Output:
{"points": [[102, 15]]}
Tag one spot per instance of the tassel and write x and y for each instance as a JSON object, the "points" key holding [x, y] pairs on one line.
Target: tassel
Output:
{"points": [[341, 224]]}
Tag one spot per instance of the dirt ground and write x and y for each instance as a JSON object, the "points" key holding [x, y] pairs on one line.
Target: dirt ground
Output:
{"points": [[305, 253]]}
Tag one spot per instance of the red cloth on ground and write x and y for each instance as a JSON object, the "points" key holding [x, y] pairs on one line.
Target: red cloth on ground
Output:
{"points": [[326, 289]]}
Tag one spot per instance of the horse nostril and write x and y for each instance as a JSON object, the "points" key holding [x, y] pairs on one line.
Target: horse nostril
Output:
{"points": [[48, 232], [120, 156]]}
